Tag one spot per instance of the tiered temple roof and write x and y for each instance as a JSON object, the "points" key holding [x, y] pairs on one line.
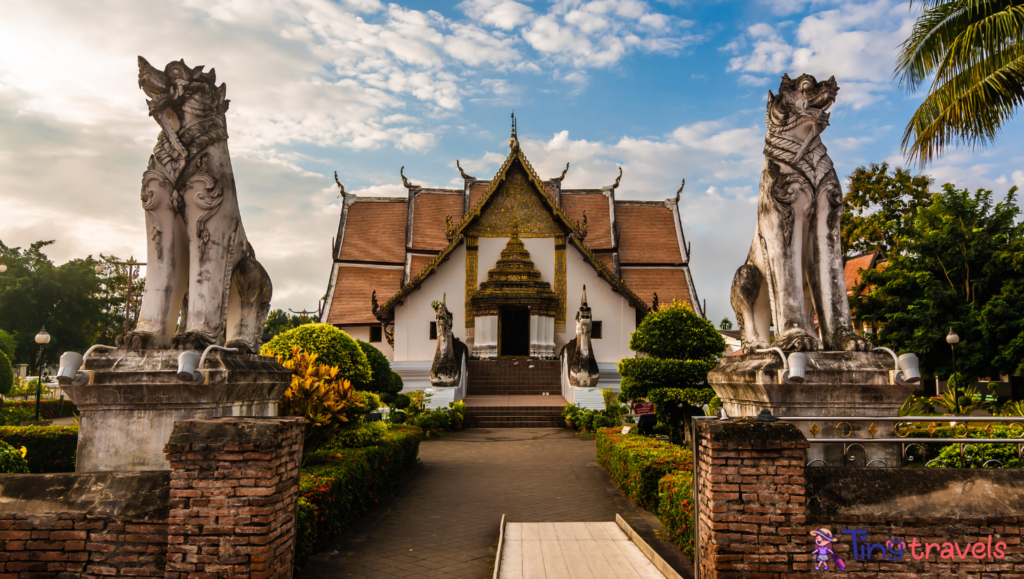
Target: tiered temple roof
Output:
{"points": [[384, 243]]}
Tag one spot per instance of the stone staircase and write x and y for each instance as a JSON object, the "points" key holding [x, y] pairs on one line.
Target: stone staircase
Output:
{"points": [[513, 376], [504, 394]]}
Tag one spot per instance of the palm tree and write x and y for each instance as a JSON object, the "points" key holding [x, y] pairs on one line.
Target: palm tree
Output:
{"points": [[972, 51]]}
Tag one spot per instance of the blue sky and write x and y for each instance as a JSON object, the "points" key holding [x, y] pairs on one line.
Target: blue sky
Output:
{"points": [[666, 90]]}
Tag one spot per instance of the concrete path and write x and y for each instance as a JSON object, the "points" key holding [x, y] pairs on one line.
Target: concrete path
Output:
{"points": [[445, 522], [572, 551]]}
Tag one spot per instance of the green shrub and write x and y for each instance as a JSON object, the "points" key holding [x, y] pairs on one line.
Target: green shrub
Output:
{"points": [[6, 375], [339, 487], [637, 463], [50, 448], [434, 420], [332, 346], [676, 332], [396, 417], [11, 461], [48, 409], [383, 379], [358, 436], [402, 401], [675, 508], [641, 375]]}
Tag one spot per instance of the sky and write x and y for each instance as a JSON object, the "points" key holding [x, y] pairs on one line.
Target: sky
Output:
{"points": [[666, 90]]}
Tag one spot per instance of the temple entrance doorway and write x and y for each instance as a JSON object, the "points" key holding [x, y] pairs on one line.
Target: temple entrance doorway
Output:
{"points": [[514, 332]]}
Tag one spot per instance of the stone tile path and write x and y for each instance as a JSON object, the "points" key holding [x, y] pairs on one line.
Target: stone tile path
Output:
{"points": [[445, 522]]}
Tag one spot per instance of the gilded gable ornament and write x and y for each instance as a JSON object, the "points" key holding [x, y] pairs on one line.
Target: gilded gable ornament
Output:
{"points": [[516, 199]]}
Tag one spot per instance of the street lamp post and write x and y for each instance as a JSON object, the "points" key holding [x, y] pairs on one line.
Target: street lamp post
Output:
{"points": [[131, 272], [952, 339], [42, 338]]}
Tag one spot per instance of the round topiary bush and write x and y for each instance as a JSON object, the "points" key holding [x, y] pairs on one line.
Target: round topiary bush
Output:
{"points": [[11, 461], [6, 375], [676, 332], [380, 368], [332, 346], [402, 402]]}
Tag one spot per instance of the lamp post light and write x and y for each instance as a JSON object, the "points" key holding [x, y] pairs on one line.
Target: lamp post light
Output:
{"points": [[952, 339], [42, 338]]}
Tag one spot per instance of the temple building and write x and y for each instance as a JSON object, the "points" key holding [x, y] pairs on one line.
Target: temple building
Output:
{"points": [[510, 258]]}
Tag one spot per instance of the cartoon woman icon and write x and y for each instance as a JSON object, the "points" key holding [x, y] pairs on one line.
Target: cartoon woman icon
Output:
{"points": [[823, 550]]}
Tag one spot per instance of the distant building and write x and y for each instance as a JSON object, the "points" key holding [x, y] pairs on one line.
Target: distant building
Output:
{"points": [[510, 256], [852, 270]]}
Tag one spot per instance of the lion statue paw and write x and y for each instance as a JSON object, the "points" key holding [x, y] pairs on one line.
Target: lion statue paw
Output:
{"points": [[797, 341], [851, 342]]}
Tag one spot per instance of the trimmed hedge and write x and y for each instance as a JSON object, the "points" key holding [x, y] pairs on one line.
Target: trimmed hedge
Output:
{"points": [[337, 488], [48, 409], [637, 464], [332, 346], [50, 448], [641, 375], [382, 381], [675, 509]]}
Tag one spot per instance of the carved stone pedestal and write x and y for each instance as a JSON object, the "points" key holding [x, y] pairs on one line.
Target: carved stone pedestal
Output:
{"points": [[836, 385], [129, 407]]}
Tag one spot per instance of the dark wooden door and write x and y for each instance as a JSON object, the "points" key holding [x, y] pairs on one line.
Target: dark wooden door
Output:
{"points": [[514, 332]]}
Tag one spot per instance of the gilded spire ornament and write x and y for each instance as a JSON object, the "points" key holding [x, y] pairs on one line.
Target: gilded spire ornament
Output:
{"points": [[561, 177], [463, 173], [341, 188], [513, 140], [680, 191], [618, 179], [405, 181]]}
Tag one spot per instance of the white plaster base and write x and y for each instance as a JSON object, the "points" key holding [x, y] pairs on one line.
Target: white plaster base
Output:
{"points": [[129, 409], [485, 337], [542, 337]]}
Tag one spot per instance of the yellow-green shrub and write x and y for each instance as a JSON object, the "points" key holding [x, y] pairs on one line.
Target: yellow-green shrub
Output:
{"points": [[332, 347]]}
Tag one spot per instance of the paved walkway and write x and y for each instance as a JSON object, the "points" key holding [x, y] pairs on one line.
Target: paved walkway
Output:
{"points": [[445, 523]]}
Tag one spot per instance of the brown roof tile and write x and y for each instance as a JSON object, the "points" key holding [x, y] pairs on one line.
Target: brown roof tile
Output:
{"points": [[416, 265], [375, 232], [669, 284], [647, 234], [476, 192], [354, 286], [428, 220], [607, 259], [599, 226]]}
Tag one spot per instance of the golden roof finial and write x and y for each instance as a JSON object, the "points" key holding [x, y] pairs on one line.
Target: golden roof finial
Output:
{"points": [[513, 139], [680, 191], [341, 188], [617, 179], [405, 181], [561, 177], [463, 173]]}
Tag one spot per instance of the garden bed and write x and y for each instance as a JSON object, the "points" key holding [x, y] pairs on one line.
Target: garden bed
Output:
{"points": [[50, 449], [338, 488], [655, 475]]}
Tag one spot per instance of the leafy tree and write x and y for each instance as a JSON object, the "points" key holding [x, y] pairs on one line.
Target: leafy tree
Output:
{"points": [[68, 299], [970, 51], [725, 324], [962, 267], [277, 323], [878, 205], [7, 344], [114, 283]]}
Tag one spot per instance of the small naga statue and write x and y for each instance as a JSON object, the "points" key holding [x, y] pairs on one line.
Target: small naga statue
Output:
{"points": [[203, 283], [446, 370], [794, 271], [583, 370]]}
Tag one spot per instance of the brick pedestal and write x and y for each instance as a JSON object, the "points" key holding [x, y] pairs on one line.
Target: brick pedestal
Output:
{"points": [[751, 498], [234, 488]]}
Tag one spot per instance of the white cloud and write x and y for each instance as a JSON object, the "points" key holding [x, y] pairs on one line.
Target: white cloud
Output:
{"points": [[504, 14], [752, 80], [855, 42]]}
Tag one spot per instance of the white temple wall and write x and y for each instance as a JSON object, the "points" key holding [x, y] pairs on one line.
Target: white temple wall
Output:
{"points": [[412, 318], [363, 333], [617, 316]]}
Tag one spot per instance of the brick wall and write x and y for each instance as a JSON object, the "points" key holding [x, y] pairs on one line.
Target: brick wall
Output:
{"points": [[751, 502], [758, 504], [98, 524], [234, 488], [226, 509]]}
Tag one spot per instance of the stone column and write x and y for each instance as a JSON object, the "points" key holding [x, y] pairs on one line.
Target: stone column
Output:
{"points": [[234, 491], [750, 498], [485, 339]]}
